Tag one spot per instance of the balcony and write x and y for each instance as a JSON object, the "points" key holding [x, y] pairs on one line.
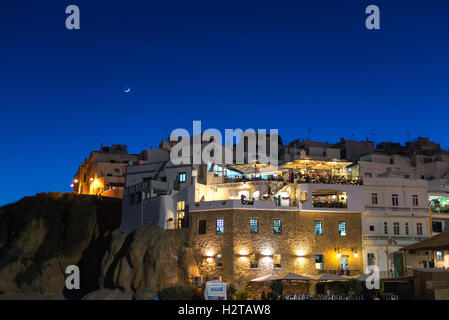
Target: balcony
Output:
{"points": [[393, 238], [330, 197], [238, 204]]}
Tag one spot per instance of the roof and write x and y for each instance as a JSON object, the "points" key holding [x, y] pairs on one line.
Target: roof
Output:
{"points": [[440, 241], [430, 269]]}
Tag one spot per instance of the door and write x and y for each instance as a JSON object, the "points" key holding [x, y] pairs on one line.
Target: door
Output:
{"points": [[343, 264]]}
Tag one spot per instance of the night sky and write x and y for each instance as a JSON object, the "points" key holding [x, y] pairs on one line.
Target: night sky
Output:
{"points": [[290, 65]]}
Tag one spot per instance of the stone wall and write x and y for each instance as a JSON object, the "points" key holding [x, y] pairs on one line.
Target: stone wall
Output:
{"points": [[297, 243]]}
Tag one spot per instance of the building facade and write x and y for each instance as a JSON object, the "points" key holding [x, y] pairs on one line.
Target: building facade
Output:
{"points": [[103, 173]]}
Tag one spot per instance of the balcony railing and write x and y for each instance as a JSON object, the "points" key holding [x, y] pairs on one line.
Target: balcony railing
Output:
{"points": [[395, 237], [439, 210], [337, 205]]}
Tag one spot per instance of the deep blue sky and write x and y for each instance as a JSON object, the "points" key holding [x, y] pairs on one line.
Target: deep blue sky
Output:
{"points": [[290, 65]]}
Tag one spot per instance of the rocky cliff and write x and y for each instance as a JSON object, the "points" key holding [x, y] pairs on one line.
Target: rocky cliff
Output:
{"points": [[41, 235]]}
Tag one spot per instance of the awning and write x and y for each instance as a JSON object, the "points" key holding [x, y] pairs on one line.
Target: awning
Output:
{"points": [[316, 164], [438, 242], [292, 276], [329, 277], [264, 278]]}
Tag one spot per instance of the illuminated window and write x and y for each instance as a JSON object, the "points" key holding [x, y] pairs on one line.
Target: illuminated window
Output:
{"points": [[253, 261], [219, 260], [277, 226], [440, 256], [253, 226], [342, 228], [220, 226], [180, 214], [182, 177], [318, 227], [277, 261], [319, 262], [304, 196]]}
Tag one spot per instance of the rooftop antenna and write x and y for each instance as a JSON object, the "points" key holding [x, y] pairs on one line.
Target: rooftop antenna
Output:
{"points": [[374, 135], [351, 126], [408, 135]]}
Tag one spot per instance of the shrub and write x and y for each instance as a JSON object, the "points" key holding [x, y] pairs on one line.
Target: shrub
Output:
{"points": [[243, 294], [231, 291], [353, 286], [177, 293], [277, 287]]}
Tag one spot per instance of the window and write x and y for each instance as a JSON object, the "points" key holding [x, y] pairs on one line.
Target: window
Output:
{"points": [[396, 228], [395, 200], [318, 227], [253, 261], [415, 200], [419, 229], [277, 261], [219, 260], [220, 226], [319, 262], [182, 177], [374, 198], [406, 228], [437, 226], [180, 214], [342, 228], [253, 226], [368, 174], [385, 227], [440, 256], [202, 227], [277, 226], [370, 259], [371, 228]]}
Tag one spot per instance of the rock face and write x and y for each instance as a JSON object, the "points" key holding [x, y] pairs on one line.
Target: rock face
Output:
{"points": [[147, 260], [40, 236]]}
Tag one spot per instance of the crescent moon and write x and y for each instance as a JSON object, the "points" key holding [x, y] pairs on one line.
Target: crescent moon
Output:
{"points": [[128, 90]]}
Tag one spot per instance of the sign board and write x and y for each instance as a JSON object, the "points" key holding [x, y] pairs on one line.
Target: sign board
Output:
{"points": [[215, 290]]}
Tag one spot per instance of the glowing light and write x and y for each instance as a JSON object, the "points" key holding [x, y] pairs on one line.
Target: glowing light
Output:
{"points": [[338, 254], [267, 252], [266, 260], [210, 253], [71, 186], [91, 179], [76, 181], [356, 255], [243, 252], [209, 260], [300, 253]]}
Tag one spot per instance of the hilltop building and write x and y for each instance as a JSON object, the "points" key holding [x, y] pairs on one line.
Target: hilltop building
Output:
{"points": [[103, 173]]}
